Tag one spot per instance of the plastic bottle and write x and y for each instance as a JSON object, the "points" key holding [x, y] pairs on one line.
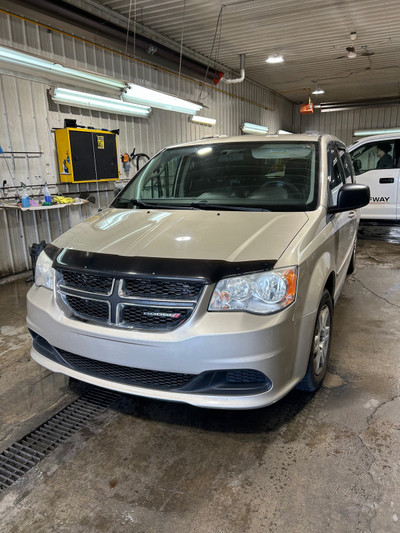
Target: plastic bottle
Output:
{"points": [[24, 196], [47, 195]]}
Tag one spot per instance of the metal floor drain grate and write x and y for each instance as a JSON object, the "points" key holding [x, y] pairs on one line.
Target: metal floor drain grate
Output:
{"points": [[21, 456]]}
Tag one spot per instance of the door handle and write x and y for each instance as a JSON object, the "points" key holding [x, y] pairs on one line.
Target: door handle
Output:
{"points": [[352, 214], [386, 180]]}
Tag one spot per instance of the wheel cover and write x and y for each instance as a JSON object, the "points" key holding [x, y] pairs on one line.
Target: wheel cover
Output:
{"points": [[321, 339]]}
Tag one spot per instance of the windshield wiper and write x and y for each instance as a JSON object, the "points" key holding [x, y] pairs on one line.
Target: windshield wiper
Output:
{"points": [[206, 205], [144, 205], [127, 204], [138, 203]]}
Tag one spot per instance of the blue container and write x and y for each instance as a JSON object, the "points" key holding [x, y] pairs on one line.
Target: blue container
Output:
{"points": [[25, 199]]}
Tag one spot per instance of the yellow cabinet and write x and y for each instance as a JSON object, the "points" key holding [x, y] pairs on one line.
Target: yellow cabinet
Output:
{"points": [[86, 155]]}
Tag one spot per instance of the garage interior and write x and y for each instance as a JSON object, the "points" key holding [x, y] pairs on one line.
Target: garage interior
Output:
{"points": [[107, 462]]}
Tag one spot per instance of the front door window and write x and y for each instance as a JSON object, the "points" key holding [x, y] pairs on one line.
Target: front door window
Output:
{"points": [[374, 155]]}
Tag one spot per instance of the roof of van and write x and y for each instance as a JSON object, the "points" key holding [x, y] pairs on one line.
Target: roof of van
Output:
{"points": [[301, 137]]}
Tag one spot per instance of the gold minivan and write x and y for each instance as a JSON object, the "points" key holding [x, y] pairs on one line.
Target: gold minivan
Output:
{"points": [[212, 277]]}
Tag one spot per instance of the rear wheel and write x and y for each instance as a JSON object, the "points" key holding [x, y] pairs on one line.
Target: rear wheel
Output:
{"points": [[319, 355]]}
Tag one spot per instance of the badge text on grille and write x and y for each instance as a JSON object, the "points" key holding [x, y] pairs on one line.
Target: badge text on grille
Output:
{"points": [[160, 314]]}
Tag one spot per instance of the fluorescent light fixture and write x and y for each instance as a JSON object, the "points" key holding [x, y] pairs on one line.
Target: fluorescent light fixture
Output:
{"points": [[364, 133], [21, 59], [97, 103], [141, 95], [284, 132], [203, 120], [275, 58], [204, 151], [247, 127]]}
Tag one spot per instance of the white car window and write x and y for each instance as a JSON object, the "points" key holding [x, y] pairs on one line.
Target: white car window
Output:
{"points": [[374, 155]]}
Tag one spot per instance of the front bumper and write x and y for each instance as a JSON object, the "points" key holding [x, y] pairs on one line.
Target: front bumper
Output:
{"points": [[208, 343]]}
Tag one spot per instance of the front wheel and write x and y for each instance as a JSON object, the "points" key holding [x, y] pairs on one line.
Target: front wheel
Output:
{"points": [[319, 355]]}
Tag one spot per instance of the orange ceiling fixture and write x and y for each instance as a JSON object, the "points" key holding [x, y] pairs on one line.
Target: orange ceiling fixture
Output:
{"points": [[307, 109]]}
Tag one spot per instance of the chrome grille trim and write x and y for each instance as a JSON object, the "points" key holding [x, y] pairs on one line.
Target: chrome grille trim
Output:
{"points": [[145, 300], [193, 288], [164, 315], [61, 284], [82, 315], [161, 312]]}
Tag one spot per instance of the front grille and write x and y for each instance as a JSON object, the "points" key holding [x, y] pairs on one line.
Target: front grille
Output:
{"points": [[124, 374], [90, 309], [154, 317], [86, 282], [163, 289], [133, 302]]}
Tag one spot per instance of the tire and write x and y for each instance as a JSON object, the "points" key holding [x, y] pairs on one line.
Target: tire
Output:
{"points": [[352, 264], [320, 349]]}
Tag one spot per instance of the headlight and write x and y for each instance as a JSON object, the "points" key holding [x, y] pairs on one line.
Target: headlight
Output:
{"points": [[44, 272], [263, 293]]}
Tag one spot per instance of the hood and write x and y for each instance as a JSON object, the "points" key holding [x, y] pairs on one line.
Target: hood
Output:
{"points": [[186, 234]]}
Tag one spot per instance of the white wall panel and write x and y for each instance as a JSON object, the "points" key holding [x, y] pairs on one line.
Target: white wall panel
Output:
{"points": [[28, 118]]}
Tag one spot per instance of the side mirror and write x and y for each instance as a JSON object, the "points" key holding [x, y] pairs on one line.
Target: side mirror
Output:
{"points": [[357, 166], [351, 196]]}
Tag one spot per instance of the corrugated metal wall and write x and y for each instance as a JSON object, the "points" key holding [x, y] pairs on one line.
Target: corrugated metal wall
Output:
{"points": [[28, 118], [344, 123]]}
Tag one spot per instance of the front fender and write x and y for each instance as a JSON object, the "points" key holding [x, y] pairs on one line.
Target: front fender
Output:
{"points": [[313, 278]]}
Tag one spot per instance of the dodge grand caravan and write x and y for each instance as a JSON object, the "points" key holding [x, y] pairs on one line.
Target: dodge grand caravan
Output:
{"points": [[212, 277]]}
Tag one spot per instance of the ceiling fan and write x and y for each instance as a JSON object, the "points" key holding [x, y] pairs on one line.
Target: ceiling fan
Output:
{"points": [[351, 51]]}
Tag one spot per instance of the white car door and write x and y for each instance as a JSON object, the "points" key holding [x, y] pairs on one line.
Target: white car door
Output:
{"points": [[384, 195], [379, 173]]}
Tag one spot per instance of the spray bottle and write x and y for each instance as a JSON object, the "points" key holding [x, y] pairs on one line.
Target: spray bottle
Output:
{"points": [[47, 195], [24, 196]]}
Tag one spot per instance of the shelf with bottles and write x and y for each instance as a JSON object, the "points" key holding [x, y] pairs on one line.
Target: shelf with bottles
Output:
{"points": [[39, 207], [25, 202]]}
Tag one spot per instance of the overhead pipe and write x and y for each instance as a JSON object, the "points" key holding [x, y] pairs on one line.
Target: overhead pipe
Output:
{"points": [[148, 47], [357, 104], [242, 72]]}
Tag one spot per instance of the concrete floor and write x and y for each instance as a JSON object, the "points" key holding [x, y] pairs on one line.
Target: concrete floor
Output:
{"points": [[328, 462]]}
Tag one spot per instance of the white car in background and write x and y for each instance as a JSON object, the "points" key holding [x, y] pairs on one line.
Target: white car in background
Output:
{"points": [[376, 162]]}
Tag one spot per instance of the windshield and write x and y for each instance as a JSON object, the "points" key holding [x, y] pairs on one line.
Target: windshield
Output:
{"points": [[275, 176]]}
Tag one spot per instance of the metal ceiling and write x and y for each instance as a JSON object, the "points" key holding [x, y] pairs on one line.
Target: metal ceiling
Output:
{"points": [[312, 36]]}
